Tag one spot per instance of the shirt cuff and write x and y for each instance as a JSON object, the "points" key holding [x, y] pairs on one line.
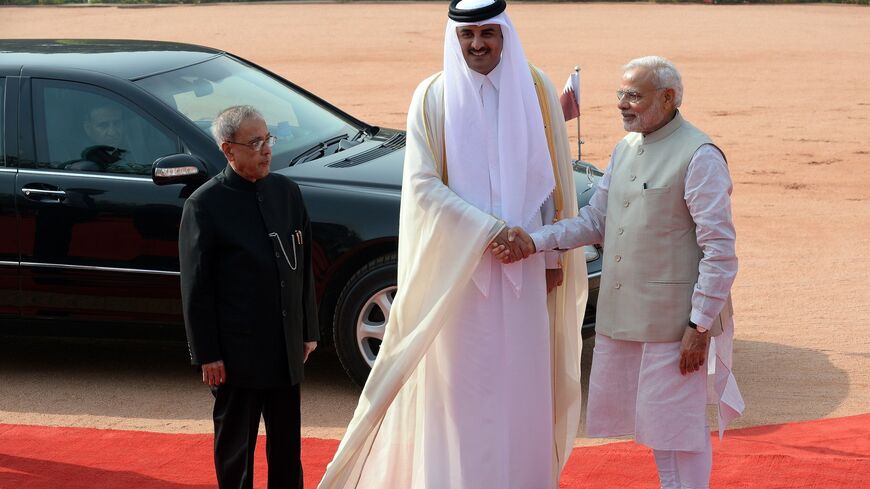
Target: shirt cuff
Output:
{"points": [[496, 228], [540, 241], [701, 319]]}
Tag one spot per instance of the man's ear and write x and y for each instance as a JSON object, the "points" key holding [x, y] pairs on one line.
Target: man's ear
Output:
{"points": [[227, 150], [670, 96]]}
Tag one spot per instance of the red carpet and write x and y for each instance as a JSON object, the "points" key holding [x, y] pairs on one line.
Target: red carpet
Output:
{"points": [[825, 454]]}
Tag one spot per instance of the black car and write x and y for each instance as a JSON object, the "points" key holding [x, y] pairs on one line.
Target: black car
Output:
{"points": [[100, 143]]}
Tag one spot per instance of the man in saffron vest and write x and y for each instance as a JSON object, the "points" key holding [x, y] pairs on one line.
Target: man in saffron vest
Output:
{"points": [[476, 384], [664, 321]]}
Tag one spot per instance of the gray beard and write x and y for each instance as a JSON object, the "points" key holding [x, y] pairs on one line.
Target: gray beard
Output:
{"points": [[645, 119]]}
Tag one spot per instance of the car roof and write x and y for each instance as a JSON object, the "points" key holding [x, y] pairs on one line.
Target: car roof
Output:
{"points": [[128, 59]]}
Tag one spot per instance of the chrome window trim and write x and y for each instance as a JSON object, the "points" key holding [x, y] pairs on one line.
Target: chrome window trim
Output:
{"points": [[100, 269], [30, 171], [9, 263], [8, 170]]}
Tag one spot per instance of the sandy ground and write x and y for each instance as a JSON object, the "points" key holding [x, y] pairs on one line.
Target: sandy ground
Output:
{"points": [[782, 89]]}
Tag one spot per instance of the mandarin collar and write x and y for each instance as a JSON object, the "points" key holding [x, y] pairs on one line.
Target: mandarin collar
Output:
{"points": [[664, 131], [234, 180]]}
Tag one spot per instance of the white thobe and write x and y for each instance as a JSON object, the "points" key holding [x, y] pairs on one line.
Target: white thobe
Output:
{"points": [[488, 420]]}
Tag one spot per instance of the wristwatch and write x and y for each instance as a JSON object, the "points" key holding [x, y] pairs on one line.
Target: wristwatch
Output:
{"points": [[697, 328]]}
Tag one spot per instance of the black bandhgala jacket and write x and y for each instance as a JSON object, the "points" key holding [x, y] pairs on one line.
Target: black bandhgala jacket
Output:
{"points": [[246, 280]]}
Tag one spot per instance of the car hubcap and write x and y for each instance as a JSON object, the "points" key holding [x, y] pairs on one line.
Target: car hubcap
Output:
{"points": [[372, 322]]}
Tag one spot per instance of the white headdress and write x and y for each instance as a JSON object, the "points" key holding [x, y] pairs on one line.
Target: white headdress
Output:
{"points": [[526, 172]]}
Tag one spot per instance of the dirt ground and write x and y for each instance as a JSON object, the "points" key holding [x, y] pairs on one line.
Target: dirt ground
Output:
{"points": [[782, 89]]}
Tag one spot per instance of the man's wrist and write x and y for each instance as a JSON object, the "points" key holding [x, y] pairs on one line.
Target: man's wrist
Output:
{"points": [[697, 328]]}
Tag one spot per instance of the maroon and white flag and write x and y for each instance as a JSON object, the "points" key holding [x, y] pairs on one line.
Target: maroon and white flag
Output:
{"points": [[570, 98]]}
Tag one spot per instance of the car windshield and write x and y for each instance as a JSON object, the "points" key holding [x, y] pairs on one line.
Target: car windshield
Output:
{"points": [[304, 129]]}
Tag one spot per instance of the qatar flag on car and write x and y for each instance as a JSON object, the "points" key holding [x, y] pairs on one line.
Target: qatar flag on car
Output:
{"points": [[570, 98]]}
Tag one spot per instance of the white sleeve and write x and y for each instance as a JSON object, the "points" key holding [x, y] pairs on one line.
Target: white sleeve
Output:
{"points": [[708, 197], [586, 228]]}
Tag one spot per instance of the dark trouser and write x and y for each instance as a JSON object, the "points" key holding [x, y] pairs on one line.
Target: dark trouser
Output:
{"points": [[236, 421]]}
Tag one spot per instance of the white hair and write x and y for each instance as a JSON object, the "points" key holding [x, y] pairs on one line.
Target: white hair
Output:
{"points": [[665, 74], [230, 120]]}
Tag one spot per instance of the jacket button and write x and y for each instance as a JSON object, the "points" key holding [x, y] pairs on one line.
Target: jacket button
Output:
{"points": [[282, 284], [617, 286], [625, 203], [259, 199], [284, 314], [277, 255], [640, 151], [618, 258], [621, 231], [633, 178]]}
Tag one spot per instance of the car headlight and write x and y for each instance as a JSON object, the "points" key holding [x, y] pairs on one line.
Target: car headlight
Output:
{"points": [[591, 253]]}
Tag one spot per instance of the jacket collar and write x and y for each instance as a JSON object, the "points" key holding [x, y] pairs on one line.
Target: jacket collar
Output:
{"points": [[235, 181], [664, 131]]}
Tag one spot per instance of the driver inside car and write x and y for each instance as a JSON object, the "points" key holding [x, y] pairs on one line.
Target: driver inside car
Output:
{"points": [[107, 146]]}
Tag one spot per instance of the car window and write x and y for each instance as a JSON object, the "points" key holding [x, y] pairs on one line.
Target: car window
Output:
{"points": [[80, 127], [2, 121], [201, 91]]}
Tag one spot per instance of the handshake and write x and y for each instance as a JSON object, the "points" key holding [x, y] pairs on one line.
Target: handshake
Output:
{"points": [[511, 245]]}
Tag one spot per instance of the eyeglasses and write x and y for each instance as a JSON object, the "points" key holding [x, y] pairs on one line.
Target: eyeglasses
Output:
{"points": [[258, 143], [633, 95]]}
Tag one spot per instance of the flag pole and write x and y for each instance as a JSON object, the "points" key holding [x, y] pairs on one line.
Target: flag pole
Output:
{"points": [[577, 98]]}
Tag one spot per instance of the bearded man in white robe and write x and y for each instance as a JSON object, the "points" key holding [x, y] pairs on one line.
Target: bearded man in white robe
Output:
{"points": [[477, 382]]}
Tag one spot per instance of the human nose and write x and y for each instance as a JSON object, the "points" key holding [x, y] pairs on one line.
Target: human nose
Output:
{"points": [[476, 42], [623, 102]]}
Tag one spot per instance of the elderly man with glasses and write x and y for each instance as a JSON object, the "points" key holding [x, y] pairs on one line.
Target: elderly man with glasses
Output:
{"points": [[664, 320], [248, 300]]}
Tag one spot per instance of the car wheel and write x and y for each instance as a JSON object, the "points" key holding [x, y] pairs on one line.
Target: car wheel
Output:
{"points": [[361, 316]]}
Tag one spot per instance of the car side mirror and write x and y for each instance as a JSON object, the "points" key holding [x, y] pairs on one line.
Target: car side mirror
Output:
{"points": [[180, 168]]}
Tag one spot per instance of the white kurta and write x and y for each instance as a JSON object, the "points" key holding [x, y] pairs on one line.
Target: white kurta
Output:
{"points": [[475, 385]]}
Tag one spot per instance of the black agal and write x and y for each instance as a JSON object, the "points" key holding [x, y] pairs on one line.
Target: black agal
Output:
{"points": [[476, 15]]}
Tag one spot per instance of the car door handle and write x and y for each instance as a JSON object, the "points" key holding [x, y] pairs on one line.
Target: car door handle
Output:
{"points": [[42, 194]]}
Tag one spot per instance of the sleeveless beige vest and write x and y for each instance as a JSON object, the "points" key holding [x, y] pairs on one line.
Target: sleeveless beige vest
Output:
{"points": [[651, 254]]}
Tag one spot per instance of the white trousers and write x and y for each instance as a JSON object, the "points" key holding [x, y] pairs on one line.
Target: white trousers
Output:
{"points": [[684, 470]]}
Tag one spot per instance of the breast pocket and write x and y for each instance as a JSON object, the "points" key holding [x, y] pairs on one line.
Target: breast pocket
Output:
{"points": [[653, 192], [658, 210]]}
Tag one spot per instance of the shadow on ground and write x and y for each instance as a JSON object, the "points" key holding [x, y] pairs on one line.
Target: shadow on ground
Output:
{"points": [[139, 379], [152, 380]]}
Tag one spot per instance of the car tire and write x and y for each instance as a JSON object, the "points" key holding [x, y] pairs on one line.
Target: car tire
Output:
{"points": [[361, 315]]}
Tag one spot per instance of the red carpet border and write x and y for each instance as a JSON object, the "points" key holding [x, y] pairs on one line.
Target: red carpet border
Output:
{"points": [[823, 454]]}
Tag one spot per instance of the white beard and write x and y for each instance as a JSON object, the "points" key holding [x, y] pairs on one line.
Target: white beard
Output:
{"points": [[642, 121]]}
